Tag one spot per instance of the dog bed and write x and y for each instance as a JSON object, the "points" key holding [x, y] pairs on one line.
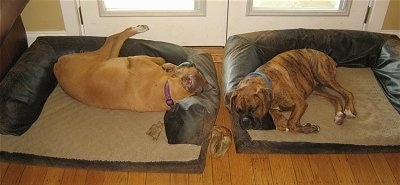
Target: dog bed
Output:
{"points": [[67, 133], [369, 66]]}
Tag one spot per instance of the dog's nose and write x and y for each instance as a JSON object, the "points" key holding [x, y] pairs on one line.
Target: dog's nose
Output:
{"points": [[246, 120]]}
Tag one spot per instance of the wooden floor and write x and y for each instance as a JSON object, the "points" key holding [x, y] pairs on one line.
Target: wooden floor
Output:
{"points": [[233, 168]]}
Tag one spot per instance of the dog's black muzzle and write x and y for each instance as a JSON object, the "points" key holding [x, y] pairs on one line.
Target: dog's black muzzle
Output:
{"points": [[248, 122]]}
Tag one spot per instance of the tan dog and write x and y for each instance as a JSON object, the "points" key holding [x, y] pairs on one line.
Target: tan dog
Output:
{"points": [[283, 84], [220, 141], [139, 83]]}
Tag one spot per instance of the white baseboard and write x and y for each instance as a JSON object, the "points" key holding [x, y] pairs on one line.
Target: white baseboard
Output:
{"points": [[32, 35]]}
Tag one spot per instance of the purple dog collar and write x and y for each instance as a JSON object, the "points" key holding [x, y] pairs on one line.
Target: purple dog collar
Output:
{"points": [[168, 98]]}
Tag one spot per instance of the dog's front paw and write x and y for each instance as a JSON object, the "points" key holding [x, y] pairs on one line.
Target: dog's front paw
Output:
{"points": [[282, 129], [307, 128]]}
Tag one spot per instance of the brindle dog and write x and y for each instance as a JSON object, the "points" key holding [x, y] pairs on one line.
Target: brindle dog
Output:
{"points": [[283, 84]]}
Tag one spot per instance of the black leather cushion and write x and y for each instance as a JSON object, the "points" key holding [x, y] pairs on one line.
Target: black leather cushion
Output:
{"points": [[26, 87]]}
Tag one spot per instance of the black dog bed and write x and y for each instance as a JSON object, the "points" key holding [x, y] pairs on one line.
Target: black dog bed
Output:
{"points": [[27, 86], [380, 53]]}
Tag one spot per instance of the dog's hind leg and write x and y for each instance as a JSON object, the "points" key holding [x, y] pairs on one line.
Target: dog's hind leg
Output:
{"points": [[113, 43], [335, 101], [326, 77], [349, 108]]}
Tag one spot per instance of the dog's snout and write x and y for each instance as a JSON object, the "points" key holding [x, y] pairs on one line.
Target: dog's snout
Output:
{"points": [[246, 120]]}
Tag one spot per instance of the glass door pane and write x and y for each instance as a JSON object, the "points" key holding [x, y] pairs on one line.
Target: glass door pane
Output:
{"points": [[109, 8], [298, 7], [182, 22]]}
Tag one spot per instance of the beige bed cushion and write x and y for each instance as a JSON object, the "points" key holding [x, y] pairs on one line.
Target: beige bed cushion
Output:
{"points": [[69, 129], [377, 122]]}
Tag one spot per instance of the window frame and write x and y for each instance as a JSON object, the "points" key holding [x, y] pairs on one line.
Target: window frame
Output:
{"points": [[343, 10], [199, 11]]}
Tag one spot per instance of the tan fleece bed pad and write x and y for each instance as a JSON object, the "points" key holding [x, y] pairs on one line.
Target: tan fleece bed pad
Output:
{"points": [[68, 129], [377, 122]]}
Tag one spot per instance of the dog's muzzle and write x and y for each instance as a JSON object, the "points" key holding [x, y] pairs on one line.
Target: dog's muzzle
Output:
{"points": [[249, 123]]}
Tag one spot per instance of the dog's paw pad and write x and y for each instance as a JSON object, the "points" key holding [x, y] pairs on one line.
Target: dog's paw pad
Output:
{"points": [[349, 114], [141, 28], [339, 118]]}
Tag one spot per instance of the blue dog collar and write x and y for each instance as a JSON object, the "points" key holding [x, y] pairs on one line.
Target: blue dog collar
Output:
{"points": [[266, 79]]}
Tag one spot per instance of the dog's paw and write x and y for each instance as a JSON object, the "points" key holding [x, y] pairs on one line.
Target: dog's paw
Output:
{"points": [[339, 118], [308, 128], [349, 114], [285, 129], [141, 28]]}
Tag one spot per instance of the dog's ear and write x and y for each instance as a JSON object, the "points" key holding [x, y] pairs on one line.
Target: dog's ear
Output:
{"points": [[195, 83], [266, 96], [229, 99], [169, 67]]}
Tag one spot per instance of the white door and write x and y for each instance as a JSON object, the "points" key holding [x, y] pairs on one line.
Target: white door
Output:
{"points": [[206, 26], [220, 19], [314, 14]]}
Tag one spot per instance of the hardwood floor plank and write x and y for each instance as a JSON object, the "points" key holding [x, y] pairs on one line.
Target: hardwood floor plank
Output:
{"points": [[322, 169], [94, 177], [179, 178], [221, 171], [393, 160], [342, 168], [115, 178], [13, 174], [220, 165], [362, 169], [382, 169], [33, 175], [137, 178], [53, 176], [195, 179], [262, 171], [158, 179], [74, 176], [204, 178], [302, 169], [282, 169], [241, 168], [3, 169]]}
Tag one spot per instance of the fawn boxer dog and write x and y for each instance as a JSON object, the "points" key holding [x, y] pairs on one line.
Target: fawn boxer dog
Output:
{"points": [[283, 84], [139, 83]]}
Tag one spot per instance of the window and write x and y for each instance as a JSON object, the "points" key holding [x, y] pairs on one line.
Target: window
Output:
{"points": [[152, 7], [298, 7]]}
